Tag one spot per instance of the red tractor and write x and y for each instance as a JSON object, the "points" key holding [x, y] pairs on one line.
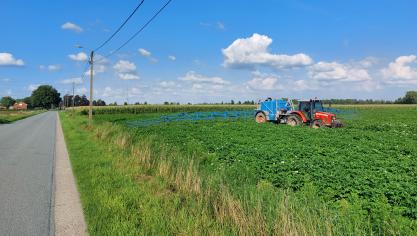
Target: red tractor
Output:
{"points": [[312, 113]]}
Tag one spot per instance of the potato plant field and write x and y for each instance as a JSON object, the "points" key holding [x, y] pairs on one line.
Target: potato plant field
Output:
{"points": [[369, 165], [141, 109]]}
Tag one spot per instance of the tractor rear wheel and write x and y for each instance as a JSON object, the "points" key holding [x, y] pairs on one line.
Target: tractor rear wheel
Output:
{"points": [[293, 120], [260, 118], [317, 124]]}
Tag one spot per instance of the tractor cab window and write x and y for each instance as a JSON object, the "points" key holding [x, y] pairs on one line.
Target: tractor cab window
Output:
{"points": [[318, 106], [305, 108]]}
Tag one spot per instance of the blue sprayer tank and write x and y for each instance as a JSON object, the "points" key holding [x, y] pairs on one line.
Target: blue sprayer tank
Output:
{"points": [[274, 109]]}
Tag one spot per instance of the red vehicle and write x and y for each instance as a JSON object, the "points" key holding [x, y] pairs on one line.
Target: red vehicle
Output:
{"points": [[312, 113]]}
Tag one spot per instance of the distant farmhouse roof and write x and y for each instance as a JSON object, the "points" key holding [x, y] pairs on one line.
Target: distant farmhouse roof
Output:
{"points": [[20, 106]]}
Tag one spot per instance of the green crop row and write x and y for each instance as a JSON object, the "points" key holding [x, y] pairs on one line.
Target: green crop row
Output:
{"points": [[140, 109], [371, 160], [357, 180]]}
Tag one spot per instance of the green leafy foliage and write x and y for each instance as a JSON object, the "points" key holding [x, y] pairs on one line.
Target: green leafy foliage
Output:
{"points": [[7, 101], [409, 98], [370, 164], [365, 171], [45, 96]]}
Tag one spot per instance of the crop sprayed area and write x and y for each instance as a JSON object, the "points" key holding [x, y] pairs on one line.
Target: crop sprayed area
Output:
{"points": [[364, 173]]}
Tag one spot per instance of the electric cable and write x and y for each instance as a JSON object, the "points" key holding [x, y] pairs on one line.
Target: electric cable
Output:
{"points": [[120, 27]]}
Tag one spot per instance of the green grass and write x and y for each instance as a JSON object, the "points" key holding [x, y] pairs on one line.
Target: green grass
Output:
{"points": [[243, 178], [121, 198], [12, 116]]}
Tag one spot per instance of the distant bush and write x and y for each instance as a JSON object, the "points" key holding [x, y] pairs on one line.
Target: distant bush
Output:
{"points": [[409, 98]]}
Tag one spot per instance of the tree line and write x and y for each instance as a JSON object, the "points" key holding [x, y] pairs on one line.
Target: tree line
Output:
{"points": [[47, 97], [410, 97], [76, 101]]}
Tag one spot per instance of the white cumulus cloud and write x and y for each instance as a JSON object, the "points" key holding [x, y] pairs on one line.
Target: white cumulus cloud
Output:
{"points": [[82, 90], [167, 84], [128, 76], [253, 51], [220, 25], [33, 87], [262, 81], [126, 70], [77, 80], [81, 56], [192, 76], [72, 27], [124, 66], [100, 65], [50, 68], [172, 58], [144, 52], [7, 59], [333, 71], [402, 71]]}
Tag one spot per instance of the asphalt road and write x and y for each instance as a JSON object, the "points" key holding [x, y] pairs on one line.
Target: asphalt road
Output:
{"points": [[27, 149]]}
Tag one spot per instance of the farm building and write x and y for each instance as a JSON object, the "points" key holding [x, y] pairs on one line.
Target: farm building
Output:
{"points": [[20, 106]]}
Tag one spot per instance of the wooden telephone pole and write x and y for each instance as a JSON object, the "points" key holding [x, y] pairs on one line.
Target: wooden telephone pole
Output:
{"points": [[90, 111]]}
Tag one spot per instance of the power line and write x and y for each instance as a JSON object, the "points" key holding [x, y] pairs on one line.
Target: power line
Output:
{"points": [[121, 26], [140, 30]]}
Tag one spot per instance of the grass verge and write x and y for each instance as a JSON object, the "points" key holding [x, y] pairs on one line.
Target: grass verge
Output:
{"points": [[12, 116]]}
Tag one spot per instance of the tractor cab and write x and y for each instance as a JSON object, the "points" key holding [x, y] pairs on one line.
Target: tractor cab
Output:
{"points": [[313, 113], [309, 108]]}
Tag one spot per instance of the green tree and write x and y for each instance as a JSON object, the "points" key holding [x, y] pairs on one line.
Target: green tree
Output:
{"points": [[45, 96], [100, 103], [7, 101], [410, 97], [84, 101]]}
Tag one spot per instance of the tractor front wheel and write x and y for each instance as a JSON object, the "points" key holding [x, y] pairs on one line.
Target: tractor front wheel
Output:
{"points": [[293, 120], [317, 124], [260, 118]]}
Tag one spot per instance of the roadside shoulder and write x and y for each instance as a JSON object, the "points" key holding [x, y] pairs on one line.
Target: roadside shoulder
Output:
{"points": [[69, 217]]}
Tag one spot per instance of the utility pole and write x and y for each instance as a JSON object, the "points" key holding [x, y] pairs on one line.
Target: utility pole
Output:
{"points": [[73, 89], [90, 112]]}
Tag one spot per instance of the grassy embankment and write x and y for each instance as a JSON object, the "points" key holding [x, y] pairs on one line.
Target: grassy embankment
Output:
{"points": [[135, 183], [12, 116]]}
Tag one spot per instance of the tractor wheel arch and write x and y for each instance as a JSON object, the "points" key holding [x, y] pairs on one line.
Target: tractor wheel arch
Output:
{"points": [[260, 117], [300, 115], [294, 120], [317, 124]]}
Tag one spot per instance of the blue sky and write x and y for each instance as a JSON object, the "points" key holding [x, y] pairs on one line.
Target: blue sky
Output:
{"points": [[212, 51]]}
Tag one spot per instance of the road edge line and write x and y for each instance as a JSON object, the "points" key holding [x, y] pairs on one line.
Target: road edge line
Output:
{"points": [[51, 223]]}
